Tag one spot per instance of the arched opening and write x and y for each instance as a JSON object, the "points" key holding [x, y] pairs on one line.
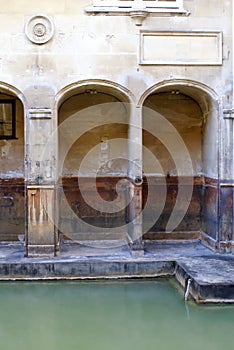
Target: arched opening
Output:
{"points": [[12, 194], [193, 116], [93, 127]]}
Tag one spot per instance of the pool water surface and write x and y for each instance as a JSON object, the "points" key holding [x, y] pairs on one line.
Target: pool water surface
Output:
{"points": [[109, 315]]}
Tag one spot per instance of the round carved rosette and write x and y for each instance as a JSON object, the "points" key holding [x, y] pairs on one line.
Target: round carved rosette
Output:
{"points": [[39, 29]]}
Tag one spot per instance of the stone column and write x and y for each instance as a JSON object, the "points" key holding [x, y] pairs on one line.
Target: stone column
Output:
{"points": [[226, 190], [226, 198], [135, 174], [41, 238]]}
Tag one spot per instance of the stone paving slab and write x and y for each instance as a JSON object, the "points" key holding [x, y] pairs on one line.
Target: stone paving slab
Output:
{"points": [[177, 250], [14, 251]]}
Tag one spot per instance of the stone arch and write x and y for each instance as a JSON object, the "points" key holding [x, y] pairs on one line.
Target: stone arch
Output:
{"points": [[83, 85], [194, 112], [101, 98], [184, 84], [10, 89], [12, 174], [209, 103], [95, 87]]}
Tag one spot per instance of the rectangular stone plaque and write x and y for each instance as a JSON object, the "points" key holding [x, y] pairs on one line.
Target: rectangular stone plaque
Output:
{"points": [[185, 48]]}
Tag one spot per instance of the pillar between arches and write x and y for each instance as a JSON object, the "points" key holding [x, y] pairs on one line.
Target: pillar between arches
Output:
{"points": [[135, 173], [226, 190], [41, 236]]}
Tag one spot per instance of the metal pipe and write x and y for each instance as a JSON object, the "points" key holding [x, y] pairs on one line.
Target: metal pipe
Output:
{"points": [[187, 289]]}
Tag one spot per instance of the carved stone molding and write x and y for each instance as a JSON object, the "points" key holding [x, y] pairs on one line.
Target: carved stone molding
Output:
{"points": [[228, 113], [138, 16], [40, 113], [39, 29]]}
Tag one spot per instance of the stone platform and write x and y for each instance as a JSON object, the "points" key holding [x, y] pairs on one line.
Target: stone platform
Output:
{"points": [[206, 276], [207, 279]]}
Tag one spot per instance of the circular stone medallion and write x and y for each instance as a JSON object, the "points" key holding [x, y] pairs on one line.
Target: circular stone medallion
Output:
{"points": [[39, 29]]}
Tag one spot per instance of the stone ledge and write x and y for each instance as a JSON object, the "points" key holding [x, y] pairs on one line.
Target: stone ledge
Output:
{"points": [[207, 280], [91, 268], [109, 10]]}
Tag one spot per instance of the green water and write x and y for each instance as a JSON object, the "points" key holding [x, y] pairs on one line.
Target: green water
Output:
{"points": [[121, 315]]}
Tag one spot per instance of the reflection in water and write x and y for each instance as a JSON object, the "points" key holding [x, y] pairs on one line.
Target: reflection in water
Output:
{"points": [[187, 311], [109, 315]]}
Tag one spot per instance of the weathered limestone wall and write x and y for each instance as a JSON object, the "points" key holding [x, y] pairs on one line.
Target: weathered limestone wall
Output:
{"points": [[186, 117], [80, 220], [110, 54], [80, 116], [105, 47], [92, 154], [12, 208]]}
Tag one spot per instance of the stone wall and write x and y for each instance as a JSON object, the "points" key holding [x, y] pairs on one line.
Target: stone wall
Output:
{"points": [[58, 58]]}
